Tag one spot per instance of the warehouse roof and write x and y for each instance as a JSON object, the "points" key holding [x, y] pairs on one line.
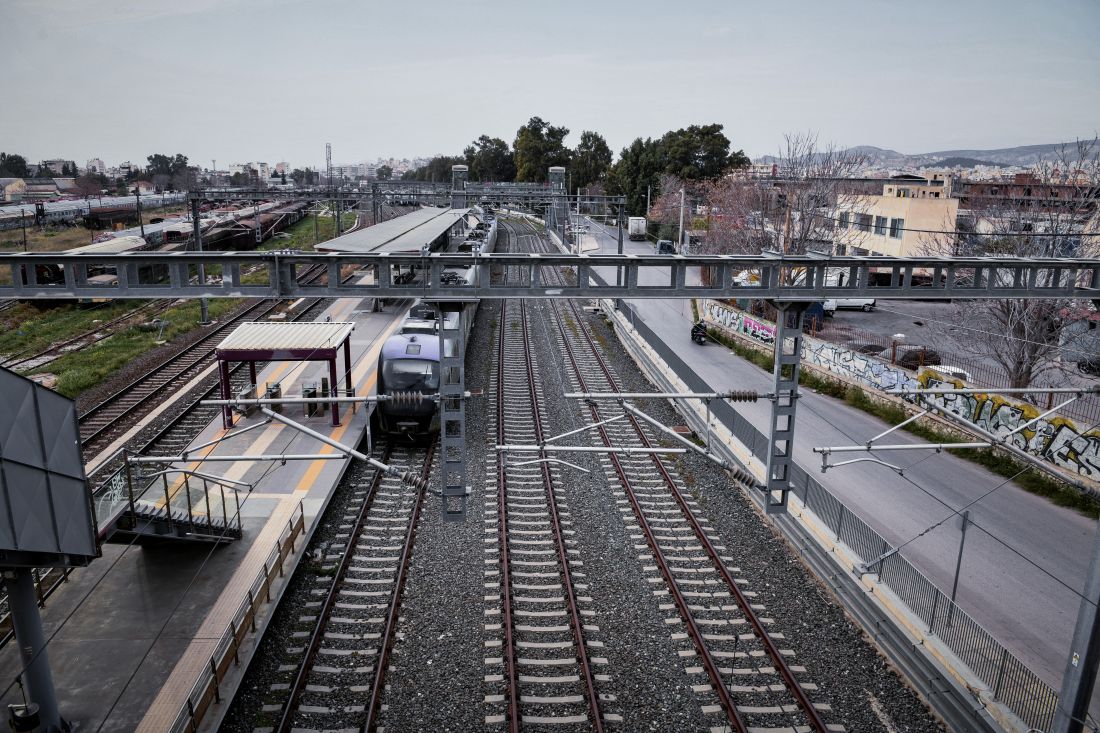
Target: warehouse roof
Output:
{"points": [[274, 340], [408, 233]]}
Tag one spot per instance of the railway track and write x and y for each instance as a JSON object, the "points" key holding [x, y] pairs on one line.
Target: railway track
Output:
{"points": [[103, 422], [27, 359], [730, 646], [744, 679], [547, 673], [339, 681]]}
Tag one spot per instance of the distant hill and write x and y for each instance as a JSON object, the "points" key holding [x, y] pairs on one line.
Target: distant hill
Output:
{"points": [[966, 162], [1023, 155]]}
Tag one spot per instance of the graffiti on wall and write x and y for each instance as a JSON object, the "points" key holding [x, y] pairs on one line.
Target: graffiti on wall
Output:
{"points": [[1054, 439]]}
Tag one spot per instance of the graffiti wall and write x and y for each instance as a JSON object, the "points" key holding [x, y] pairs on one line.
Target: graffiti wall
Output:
{"points": [[1054, 439]]}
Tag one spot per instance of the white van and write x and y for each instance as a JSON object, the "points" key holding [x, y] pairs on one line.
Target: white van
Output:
{"points": [[863, 304]]}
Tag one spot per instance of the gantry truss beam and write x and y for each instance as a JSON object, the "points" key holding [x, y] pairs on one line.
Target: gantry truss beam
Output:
{"points": [[425, 191], [780, 278]]}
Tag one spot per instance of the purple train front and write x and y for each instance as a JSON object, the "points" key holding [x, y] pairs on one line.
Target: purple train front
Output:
{"points": [[409, 363]]}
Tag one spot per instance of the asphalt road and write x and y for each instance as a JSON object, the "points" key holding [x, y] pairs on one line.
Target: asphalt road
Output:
{"points": [[1025, 559]]}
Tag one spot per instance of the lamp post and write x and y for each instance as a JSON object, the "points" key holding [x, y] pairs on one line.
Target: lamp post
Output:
{"points": [[137, 195]]}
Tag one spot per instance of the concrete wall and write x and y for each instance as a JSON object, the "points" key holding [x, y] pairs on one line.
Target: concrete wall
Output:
{"points": [[1055, 439], [936, 214]]}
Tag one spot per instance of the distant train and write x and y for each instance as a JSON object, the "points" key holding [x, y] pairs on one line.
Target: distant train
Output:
{"points": [[409, 361]]}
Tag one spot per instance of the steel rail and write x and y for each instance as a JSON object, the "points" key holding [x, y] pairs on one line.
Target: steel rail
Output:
{"points": [[733, 715], [510, 674], [162, 371], [559, 538], [314, 644], [743, 602]]}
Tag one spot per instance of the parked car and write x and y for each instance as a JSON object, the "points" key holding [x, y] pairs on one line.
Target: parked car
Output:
{"points": [[666, 247], [1090, 366], [915, 358], [953, 371], [864, 304]]}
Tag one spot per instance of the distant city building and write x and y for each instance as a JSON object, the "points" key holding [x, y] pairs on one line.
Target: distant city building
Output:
{"points": [[95, 166], [901, 221], [282, 168], [125, 169], [57, 166], [756, 171], [12, 189]]}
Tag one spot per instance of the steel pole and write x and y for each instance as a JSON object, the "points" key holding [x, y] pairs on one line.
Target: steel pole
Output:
{"points": [[959, 560], [619, 270], [680, 243], [1079, 676], [204, 306], [27, 624]]}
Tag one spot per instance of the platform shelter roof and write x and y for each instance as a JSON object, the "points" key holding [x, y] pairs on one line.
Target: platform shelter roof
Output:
{"points": [[273, 340], [405, 234]]}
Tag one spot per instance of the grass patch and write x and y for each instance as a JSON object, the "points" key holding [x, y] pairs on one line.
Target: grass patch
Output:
{"points": [[28, 328], [302, 236], [996, 462], [87, 368]]}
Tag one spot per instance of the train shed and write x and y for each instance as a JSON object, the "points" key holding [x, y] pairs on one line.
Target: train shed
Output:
{"points": [[299, 341], [409, 234]]}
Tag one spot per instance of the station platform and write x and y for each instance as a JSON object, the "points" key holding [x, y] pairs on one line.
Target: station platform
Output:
{"points": [[130, 634]]}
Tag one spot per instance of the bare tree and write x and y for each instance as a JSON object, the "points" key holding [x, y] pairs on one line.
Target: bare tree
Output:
{"points": [[793, 212], [1050, 212]]}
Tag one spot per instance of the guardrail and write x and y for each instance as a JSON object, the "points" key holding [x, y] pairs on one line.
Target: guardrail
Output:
{"points": [[1009, 680], [206, 690]]}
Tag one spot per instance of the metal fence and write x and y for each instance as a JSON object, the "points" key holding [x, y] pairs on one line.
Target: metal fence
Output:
{"points": [[1008, 679]]}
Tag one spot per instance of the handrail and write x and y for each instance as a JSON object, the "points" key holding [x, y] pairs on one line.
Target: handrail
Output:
{"points": [[205, 691]]}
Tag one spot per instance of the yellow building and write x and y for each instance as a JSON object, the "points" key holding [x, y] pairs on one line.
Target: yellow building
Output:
{"points": [[903, 222]]}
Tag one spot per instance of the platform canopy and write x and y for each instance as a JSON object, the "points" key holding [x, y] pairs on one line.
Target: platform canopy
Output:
{"points": [[280, 341], [405, 234]]}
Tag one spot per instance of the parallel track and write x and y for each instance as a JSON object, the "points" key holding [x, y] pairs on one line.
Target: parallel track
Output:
{"points": [[752, 695], [543, 631], [347, 654]]}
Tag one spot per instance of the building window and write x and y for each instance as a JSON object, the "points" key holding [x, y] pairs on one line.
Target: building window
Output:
{"points": [[880, 225], [865, 222], [896, 225], [843, 223]]}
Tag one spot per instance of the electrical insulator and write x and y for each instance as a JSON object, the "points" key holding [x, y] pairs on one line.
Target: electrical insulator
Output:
{"points": [[742, 396], [406, 399], [743, 477]]}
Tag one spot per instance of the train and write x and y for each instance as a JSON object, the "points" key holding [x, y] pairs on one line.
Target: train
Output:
{"points": [[14, 216], [409, 360]]}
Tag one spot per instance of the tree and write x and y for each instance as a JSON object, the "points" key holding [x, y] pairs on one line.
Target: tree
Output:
{"points": [[1049, 213], [306, 177], [490, 159], [699, 153], [91, 184], [591, 160], [13, 166], [166, 165], [538, 146], [794, 214], [282, 178], [437, 169], [239, 179], [384, 173], [637, 169]]}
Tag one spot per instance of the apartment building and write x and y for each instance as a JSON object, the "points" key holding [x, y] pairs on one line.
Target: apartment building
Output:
{"points": [[914, 216]]}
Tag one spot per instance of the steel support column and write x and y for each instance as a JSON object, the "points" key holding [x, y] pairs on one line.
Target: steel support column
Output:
{"points": [[1079, 676], [459, 176], [27, 624], [347, 368], [788, 353], [227, 411], [334, 389], [452, 409], [204, 313]]}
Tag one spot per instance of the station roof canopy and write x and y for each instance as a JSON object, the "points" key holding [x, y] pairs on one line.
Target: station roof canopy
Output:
{"points": [[405, 234], [274, 341]]}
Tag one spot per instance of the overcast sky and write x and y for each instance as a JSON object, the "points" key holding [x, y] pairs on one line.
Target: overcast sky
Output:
{"points": [[271, 80]]}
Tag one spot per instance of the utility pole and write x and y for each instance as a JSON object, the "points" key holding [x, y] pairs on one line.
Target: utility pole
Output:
{"points": [[204, 312], [23, 222], [680, 246], [213, 172], [648, 189], [137, 194], [1080, 672], [619, 270]]}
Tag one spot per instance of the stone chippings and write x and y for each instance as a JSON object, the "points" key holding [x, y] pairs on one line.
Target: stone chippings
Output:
{"points": [[863, 688], [435, 680]]}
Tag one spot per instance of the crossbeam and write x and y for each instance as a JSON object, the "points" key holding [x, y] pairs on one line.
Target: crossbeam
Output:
{"points": [[790, 278]]}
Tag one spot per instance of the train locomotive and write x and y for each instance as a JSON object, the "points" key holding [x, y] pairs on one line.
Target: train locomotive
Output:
{"points": [[409, 361]]}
